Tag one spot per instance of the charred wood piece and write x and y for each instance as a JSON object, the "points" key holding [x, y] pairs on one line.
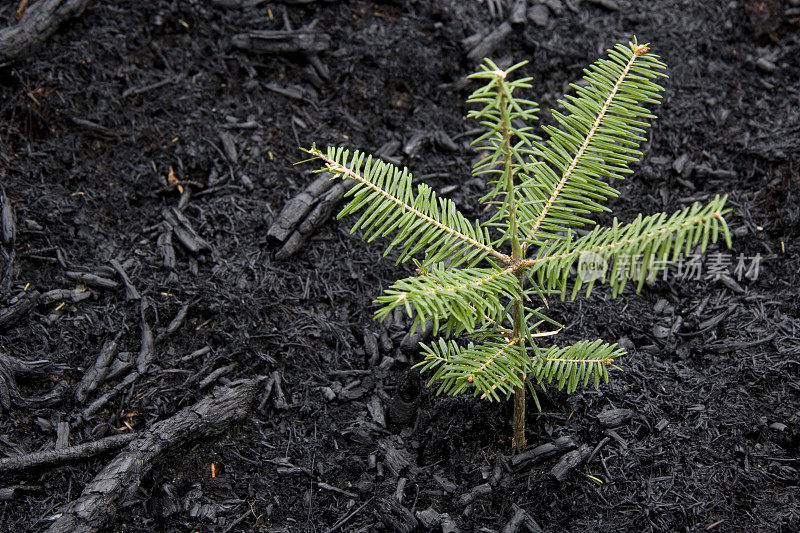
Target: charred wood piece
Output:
{"points": [[175, 324], [216, 374], [92, 280], [396, 517], [8, 220], [229, 147], [98, 404], [96, 374], [569, 461], [266, 394], [10, 368], [58, 295], [278, 396], [282, 41], [295, 92], [147, 347], [398, 460], [320, 214], [515, 523], [319, 67], [519, 13], [9, 493], [164, 245], [19, 306], [521, 518], [183, 231], [483, 46], [476, 492], [40, 21], [429, 518], [62, 435], [94, 127], [306, 212], [130, 291], [449, 525], [62, 455], [540, 453], [376, 410], [119, 481], [120, 365], [298, 207], [611, 5], [612, 418], [496, 8]]}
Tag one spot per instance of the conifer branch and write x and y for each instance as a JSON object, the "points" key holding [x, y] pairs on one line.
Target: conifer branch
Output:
{"points": [[504, 145], [489, 368], [655, 240], [335, 163], [577, 157], [598, 139], [468, 296], [575, 364]]}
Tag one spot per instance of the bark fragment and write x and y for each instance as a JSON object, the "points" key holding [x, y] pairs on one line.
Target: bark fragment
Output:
{"points": [[130, 291], [183, 231], [93, 280], [539, 453]]}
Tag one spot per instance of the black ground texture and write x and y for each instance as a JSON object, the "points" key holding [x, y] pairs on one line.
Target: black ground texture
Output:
{"points": [[143, 129]]}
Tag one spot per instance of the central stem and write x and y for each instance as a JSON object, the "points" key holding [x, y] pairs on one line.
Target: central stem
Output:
{"points": [[518, 441]]}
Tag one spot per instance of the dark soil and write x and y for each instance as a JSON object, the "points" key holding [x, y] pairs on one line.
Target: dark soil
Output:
{"points": [[713, 372]]}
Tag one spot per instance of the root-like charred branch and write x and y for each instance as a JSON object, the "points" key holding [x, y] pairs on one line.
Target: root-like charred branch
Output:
{"points": [[120, 479]]}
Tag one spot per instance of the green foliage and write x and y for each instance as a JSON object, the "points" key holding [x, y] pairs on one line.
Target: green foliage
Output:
{"points": [[598, 139], [477, 280], [421, 222]]}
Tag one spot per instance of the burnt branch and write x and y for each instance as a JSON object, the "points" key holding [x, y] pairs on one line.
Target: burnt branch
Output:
{"points": [[41, 20], [70, 453], [120, 479], [18, 307]]}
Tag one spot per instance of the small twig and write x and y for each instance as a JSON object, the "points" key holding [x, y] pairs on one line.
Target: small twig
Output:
{"points": [[98, 404], [130, 291], [135, 91], [347, 518]]}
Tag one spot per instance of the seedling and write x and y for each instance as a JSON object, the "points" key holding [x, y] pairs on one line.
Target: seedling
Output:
{"points": [[483, 285]]}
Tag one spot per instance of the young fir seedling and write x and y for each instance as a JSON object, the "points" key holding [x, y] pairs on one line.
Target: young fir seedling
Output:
{"points": [[483, 285]]}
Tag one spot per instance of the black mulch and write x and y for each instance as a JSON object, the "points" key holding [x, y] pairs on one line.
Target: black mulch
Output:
{"points": [[134, 100]]}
